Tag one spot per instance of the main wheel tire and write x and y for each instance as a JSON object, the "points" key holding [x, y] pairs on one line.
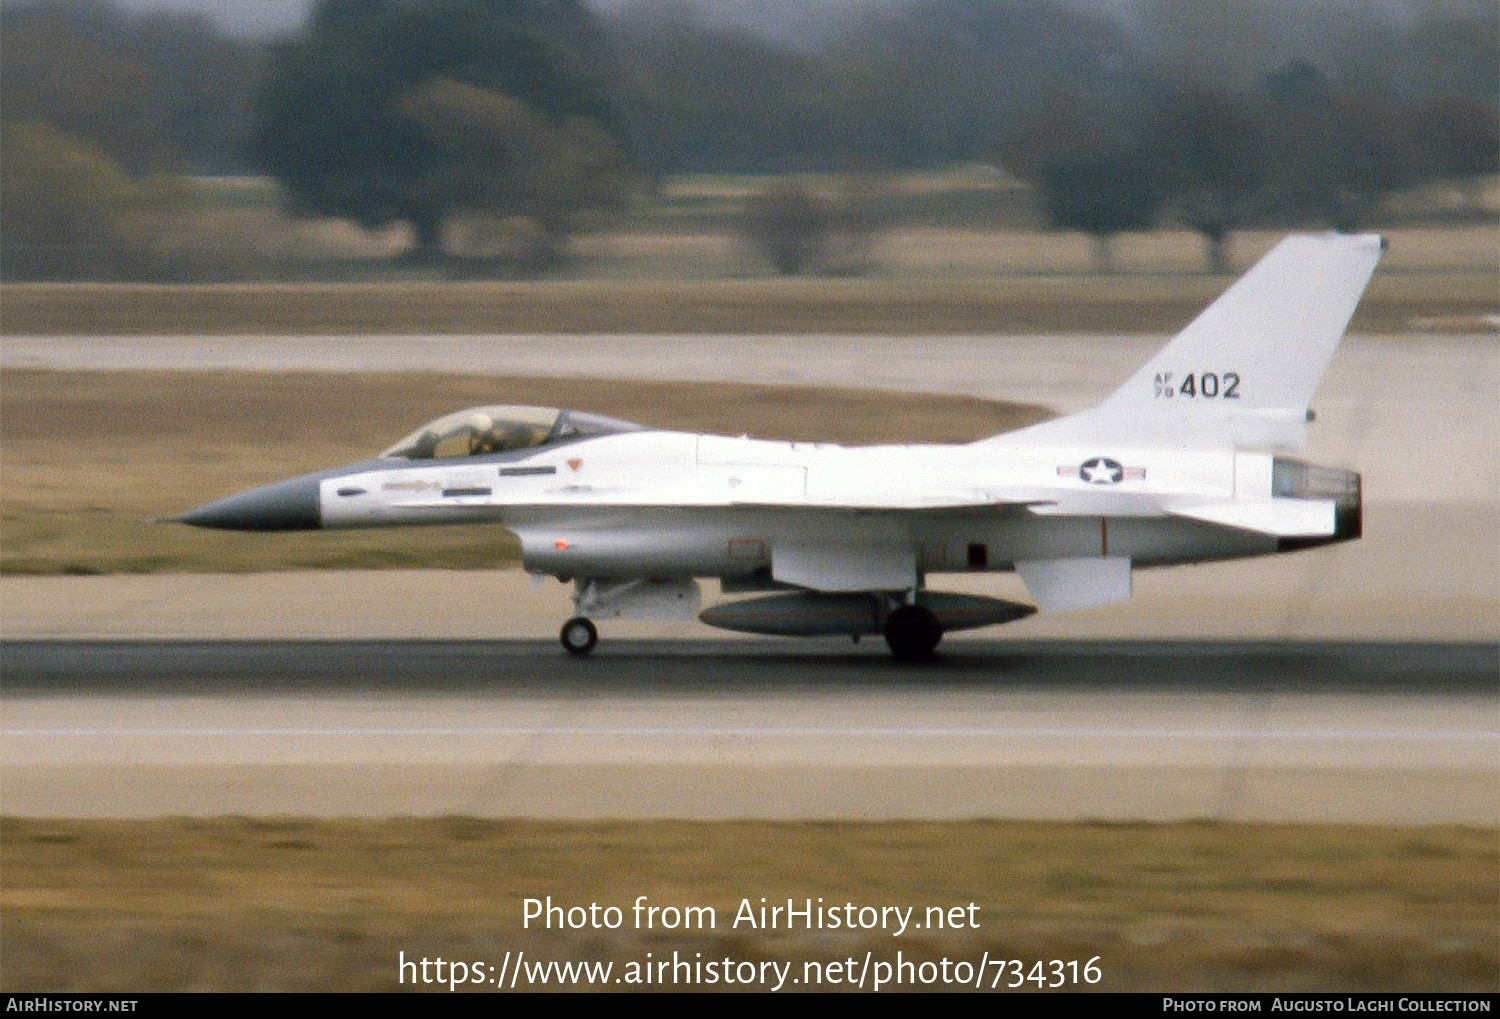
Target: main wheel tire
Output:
{"points": [[913, 633], [579, 635]]}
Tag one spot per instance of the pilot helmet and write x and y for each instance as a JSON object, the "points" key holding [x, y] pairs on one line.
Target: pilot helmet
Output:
{"points": [[479, 422]]}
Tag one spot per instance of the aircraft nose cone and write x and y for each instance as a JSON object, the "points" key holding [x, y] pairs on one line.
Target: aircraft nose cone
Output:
{"points": [[284, 506]]}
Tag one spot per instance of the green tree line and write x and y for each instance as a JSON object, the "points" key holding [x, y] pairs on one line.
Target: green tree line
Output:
{"points": [[537, 114]]}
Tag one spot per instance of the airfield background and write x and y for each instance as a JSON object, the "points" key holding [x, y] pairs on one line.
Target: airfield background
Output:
{"points": [[241, 240]]}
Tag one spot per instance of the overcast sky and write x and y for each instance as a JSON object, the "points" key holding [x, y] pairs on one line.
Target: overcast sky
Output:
{"points": [[266, 17], [243, 17]]}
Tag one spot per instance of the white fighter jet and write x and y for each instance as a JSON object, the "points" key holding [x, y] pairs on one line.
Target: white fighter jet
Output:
{"points": [[1191, 460]]}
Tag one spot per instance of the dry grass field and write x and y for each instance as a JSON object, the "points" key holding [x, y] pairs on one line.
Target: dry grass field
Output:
{"points": [[240, 904], [925, 281], [1015, 305], [90, 458]]}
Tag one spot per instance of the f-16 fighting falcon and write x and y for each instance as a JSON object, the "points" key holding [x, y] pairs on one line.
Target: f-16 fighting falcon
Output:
{"points": [[1192, 460]]}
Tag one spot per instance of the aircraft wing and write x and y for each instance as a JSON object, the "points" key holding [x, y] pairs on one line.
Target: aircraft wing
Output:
{"points": [[870, 555]]}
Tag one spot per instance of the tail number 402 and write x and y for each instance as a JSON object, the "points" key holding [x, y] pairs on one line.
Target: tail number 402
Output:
{"points": [[1195, 385]]}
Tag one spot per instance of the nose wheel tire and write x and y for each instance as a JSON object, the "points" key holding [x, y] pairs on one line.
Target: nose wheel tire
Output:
{"points": [[579, 635], [913, 633]]}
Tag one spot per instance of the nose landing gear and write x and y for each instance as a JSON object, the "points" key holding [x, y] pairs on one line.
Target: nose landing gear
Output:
{"points": [[579, 635]]}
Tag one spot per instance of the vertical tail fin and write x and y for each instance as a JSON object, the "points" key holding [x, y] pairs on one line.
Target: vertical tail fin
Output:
{"points": [[1243, 372]]}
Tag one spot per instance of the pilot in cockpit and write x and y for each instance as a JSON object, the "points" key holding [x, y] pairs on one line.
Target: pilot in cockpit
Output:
{"points": [[479, 431], [490, 436], [487, 441], [484, 434]]}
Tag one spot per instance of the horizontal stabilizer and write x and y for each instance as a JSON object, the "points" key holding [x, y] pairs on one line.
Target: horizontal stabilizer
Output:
{"points": [[1283, 518], [1059, 585]]}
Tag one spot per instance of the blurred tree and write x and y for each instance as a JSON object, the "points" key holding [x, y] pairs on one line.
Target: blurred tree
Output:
{"points": [[925, 82], [1457, 140], [1101, 192], [1296, 87], [861, 213], [1226, 41], [790, 224], [945, 80], [1356, 91], [51, 73], [502, 158], [153, 89], [1210, 150], [1333, 158], [832, 229], [1336, 155], [1088, 170], [711, 99], [1453, 57], [64, 206], [201, 82], [88, 143], [1366, 153], [331, 127]]}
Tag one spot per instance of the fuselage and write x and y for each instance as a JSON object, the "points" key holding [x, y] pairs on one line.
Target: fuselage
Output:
{"points": [[677, 504]]}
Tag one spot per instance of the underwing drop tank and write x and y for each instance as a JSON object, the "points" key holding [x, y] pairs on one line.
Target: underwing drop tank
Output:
{"points": [[810, 614]]}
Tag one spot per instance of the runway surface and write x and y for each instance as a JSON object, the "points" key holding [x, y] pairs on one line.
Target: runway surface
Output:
{"points": [[1307, 731]]}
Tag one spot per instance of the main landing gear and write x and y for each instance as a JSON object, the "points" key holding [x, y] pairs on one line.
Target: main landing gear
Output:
{"points": [[579, 635], [913, 633], [912, 629]]}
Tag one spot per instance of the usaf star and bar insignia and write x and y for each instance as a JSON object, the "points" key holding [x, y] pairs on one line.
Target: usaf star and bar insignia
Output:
{"points": [[1101, 470]]}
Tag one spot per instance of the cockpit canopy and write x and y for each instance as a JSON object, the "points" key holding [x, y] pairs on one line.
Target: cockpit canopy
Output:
{"points": [[480, 431]]}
